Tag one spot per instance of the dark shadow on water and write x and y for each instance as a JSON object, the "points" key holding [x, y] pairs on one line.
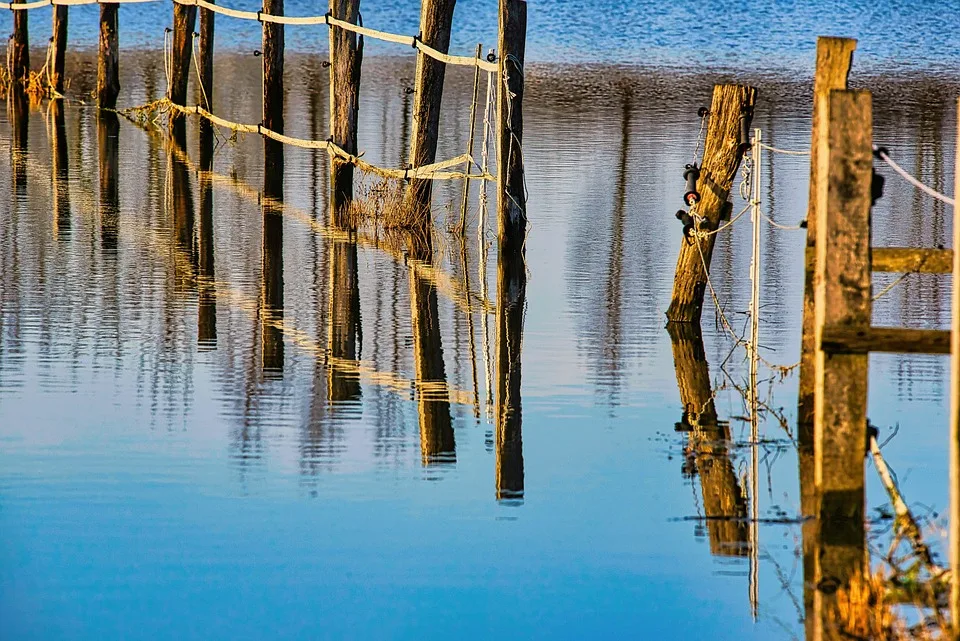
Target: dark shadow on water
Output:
{"points": [[271, 293], [511, 305], [60, 160]]}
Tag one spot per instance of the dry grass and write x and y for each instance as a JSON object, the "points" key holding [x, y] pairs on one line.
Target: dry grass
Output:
{"points": [[36, 86], [866, 610]]}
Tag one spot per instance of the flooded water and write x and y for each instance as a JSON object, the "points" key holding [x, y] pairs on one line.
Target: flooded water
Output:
{"points": [[220, 417]]}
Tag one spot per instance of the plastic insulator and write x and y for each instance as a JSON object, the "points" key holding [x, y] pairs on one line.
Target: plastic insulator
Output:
{"points": [[703, 111], [690, 195], [681, 214], [491, 56], [876, 187], [687, 230], [744, 133]]}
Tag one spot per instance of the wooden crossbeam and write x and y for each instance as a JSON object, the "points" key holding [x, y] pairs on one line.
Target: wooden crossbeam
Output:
{"points": [[912, 259], [838, 339]]}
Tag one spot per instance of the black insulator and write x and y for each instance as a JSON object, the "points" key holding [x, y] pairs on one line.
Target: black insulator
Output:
{"points": [[803, 224], [744, 133], [703, 111], [491, 56], [684, 218], [879, 152], [706, 225], [691, 174], [876, 187], [324, 63], [687, 230], [256, 52]]}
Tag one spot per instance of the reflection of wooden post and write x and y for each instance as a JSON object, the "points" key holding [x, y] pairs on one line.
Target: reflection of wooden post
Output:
{"points": [[842, 299], [346, 55], [108, 135], [436, 19], [723, 500], [436, 426], [19, 113], [207, 294], [271, 295], [345, 328], [18, 55], [108, 61], [511, 299], [61, 170], [834, 59], [182, 201], [955, 409], [722, 153], [59, 43]]}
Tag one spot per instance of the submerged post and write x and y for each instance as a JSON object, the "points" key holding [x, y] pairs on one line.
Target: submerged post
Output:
{"points": [[955, 410], [346, 56], [108, 62], [511, 193], [834, 58], [842, 299], [59, 43], [184, 21], [730, 111], [18, 55], [436, 19]]}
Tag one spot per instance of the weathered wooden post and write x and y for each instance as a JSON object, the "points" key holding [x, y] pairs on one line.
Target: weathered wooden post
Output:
{"points": [[511, 192], [842, 300], [346, 56], [834, 59], [108, 62], [18, 55], [184, 21], [955, 409], [59, 42], [436, 20], [722, 154], [205, 54]]}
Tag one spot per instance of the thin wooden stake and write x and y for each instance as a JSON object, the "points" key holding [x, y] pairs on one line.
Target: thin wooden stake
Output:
{"points": [[955, 410], [470, 140]]}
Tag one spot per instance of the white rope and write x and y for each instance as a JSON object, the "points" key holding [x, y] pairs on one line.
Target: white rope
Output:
{"points": [[788, 152], [882, 155], [774, 223]]}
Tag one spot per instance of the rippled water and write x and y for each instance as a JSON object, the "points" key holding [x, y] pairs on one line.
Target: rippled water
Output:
{"points": [[209, 417]]}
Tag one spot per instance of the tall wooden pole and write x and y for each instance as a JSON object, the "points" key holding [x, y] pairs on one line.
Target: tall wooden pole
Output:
{"points": [[511, 191], [108, 62], [59, 42], [346, 56], [722, 153], [834, 59], [842, 299], [955, 409], [184, 22], [436, 20], [205, 53], [18, 56]]}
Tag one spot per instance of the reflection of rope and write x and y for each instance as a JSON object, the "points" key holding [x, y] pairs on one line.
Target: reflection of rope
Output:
{"points": [[778, 225], [881, 153], [167, 57], [886, 290]]}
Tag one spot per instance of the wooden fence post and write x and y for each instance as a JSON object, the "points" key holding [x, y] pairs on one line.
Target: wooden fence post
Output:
{"points": [[722, 153], [436, 20], [108, 63], [955, 409], [206, 88], [834, 58], [18, 55], [511, 191], [59, 40], [842, 299], [346, 56], [108, 148], [184, 21]]}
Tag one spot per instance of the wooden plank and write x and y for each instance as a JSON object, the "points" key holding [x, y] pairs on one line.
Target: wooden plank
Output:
{"points": [[721, 159], [911, 259], [834, 59], [840, 339], [842, 298], [955, 409]]}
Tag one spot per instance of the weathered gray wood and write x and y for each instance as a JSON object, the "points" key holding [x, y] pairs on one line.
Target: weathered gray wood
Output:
{"points": [[346, 57], [511, 299], [841, 339], [511, 192], [108, 61], [834, 59], [910, 259], [184, 22], [954, 542], [18, 54], [436, 19], [59, 43], [721, 159], [842, 299]]}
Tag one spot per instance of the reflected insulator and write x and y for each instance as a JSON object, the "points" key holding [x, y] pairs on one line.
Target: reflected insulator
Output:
{"points": [[744, 133], [691, 174], [876, 188]]}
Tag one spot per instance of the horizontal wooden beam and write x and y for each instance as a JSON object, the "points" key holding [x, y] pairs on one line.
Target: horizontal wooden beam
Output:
{"points": [[912, 259], [863, 340]]}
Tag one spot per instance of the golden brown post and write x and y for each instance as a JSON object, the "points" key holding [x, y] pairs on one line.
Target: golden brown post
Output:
{"points": [[184, 21], [842, 298], [721, 159], [511, 191], [59, 43], [205, 54], [346, 56], [18, 54], [436, 19], [955, 410], [834, 59], [108, 61]]}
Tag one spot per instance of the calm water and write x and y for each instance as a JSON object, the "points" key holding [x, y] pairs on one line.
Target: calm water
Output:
{"points": [[209, 417]]}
